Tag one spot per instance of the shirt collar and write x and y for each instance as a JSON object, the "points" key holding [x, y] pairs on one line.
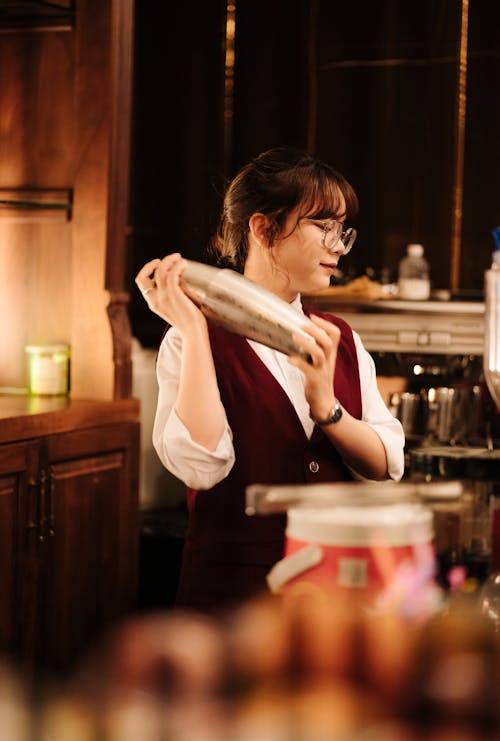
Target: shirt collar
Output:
{"points": [[297, 303]]}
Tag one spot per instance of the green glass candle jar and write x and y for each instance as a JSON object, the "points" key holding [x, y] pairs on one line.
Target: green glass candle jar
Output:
{"points": [[48, 370]]}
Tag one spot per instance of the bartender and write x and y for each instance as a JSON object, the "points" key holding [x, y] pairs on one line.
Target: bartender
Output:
{"points": [[232, 412]]}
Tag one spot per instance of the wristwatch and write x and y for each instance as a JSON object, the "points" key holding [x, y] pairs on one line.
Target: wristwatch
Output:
{"points": [[334, 417]]}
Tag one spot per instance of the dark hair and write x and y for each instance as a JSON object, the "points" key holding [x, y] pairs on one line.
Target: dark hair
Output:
{"points": [[274, 184]]}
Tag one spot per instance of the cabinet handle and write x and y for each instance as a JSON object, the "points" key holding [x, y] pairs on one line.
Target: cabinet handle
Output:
{"points": [[33, 524], [45, 518], [42, 506], [51, 516]]}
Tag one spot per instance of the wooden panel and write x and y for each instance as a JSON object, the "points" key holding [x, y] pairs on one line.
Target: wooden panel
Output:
{"points": [[92, 352], [118, 223], [36, 292], [36, 151], [36, 109]]}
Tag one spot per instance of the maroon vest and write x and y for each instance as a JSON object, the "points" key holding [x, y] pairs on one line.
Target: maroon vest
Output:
{"points": [[227, 553]]}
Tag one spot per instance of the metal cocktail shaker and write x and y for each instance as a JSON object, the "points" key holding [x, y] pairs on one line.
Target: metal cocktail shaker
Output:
{"points": [[244, 307]]}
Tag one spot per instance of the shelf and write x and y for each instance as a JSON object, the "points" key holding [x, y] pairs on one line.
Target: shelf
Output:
{"points": [[32, 15], [35, 204]]}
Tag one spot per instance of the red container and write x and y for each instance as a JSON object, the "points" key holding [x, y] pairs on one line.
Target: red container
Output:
{"points": [[365, 550]]}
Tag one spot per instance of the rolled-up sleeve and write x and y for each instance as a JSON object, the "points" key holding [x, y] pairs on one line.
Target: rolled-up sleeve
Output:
{"points": [[377, 415], [190, 462]]}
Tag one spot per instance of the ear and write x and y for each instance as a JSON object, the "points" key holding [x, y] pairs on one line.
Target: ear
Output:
{"points": [[259, 224]]}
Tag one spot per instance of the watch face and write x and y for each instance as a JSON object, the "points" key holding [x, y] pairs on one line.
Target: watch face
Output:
{"points": [[335, 415]]}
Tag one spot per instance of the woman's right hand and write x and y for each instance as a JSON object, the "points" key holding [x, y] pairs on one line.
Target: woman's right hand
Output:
{"points": [[159, 282]]}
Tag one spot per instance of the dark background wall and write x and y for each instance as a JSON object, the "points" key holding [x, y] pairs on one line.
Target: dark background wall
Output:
{"points": [[369, 87], [386, 104], [177, 151]]}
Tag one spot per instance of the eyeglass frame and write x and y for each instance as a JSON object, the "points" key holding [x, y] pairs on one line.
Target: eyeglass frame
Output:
{"points": [[348, 234]]}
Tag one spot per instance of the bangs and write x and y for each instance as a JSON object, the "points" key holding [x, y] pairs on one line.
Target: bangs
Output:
{"points": [[324, 195]]}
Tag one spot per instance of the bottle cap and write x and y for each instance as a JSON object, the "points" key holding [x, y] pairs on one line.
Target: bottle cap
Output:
{"points": [[415, 250], [495, 257], [496, 237]]}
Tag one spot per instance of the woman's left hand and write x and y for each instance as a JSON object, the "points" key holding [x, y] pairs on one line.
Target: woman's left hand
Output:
{"points": [[359, 445], [319, 373]]}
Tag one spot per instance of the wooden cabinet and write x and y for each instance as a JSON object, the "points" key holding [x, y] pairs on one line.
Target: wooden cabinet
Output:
{"points": [[68, 530], [18, 575], [68, 468]]}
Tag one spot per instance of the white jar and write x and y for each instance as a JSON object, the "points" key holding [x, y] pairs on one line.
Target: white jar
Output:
{"points": [[413, 275]]}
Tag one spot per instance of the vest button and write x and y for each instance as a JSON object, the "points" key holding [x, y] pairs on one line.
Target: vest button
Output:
{"points": [[314, 466]]}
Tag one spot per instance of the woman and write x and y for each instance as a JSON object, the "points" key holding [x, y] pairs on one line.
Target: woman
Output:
{"points": [[232, 412]]}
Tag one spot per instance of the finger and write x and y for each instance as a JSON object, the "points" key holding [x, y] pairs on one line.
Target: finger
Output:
{"points": [[168, 267], [145, 273], [315, 337], [327, 335], [324, 341], [331, 329], [311, 349], [178, 268], [306, 337], [145, 278], [170, 260]]}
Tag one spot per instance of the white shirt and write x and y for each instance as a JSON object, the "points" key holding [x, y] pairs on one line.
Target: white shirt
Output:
{"points": [[200, 468]]}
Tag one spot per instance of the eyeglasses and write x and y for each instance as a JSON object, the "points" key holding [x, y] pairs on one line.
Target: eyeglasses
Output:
{"points": [[334, 232]]}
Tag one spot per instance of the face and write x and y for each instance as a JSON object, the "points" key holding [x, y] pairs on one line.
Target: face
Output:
{"points": [[301, 257]]}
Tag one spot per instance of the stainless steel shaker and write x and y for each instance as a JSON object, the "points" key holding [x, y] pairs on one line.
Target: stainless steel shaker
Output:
{"points": [[244, 307]]}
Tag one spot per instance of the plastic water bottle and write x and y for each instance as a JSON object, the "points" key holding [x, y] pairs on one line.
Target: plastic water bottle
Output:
{"points": [[491, 356], [490, 595], [413, 275]]}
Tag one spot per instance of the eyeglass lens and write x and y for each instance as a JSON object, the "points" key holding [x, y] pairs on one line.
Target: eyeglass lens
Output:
{"points": [[336, 233]]}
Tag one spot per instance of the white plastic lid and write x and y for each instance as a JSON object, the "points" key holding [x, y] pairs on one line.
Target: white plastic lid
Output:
{"points": [[393, 525], [415, 250]]}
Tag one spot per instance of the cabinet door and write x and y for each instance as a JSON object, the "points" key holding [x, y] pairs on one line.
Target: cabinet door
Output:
{"points": [[91, 546], [19, 504]]}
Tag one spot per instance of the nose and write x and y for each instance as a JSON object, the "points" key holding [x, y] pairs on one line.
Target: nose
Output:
{"points": [[337, 248]]}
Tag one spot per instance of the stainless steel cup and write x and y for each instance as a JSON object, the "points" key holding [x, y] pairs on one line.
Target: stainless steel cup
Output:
{"points": [[409, 412], [453, 413]]}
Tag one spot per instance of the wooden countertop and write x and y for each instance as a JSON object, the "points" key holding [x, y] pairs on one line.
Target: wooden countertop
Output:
{"points": [[24, 417]]}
